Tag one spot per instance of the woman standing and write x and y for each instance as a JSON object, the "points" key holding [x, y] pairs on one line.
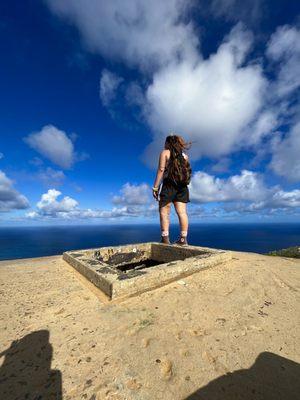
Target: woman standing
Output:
{"points": [[175, 173]]}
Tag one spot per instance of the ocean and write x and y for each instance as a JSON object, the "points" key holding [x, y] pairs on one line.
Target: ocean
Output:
{"points": [[23, 242]]}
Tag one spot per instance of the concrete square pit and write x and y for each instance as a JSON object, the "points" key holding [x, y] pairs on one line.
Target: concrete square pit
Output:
{"points": [[123, 271]]}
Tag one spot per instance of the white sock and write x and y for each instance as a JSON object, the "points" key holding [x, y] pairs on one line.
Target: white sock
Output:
{"points": [[164, 233], [183, 233]]}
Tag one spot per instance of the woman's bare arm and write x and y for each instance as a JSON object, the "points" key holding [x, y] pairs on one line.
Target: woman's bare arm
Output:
{"points": [[160, 169]]}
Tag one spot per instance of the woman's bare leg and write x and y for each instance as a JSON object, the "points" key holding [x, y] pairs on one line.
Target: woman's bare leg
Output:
{"points": [[164, 215], [182, 217]]}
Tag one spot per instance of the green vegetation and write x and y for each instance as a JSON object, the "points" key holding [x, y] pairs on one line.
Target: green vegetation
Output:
{"points": [[293, 252]]}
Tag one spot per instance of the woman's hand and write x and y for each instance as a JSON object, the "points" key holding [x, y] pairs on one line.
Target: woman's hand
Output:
{"points": [[155, 193]]}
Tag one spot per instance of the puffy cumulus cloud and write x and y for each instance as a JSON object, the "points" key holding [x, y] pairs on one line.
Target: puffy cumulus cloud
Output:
{"points": [[146, 34], [109, 83], [279, 202], [211, 101], [115, 212], [133, 194], [10, 198], [49, 205], [78, 214], [55, 145], [286, 199], [245, 192], [134, 202], [247, 186], [284, 49], [286, 160]]}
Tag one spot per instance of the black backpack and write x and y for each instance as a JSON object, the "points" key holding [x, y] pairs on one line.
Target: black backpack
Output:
{"points": [[179, 170]]}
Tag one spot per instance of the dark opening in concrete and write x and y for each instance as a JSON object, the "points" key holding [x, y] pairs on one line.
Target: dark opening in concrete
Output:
{"points": [[138, 265]]}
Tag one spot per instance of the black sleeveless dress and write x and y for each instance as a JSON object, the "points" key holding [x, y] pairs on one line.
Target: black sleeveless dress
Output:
{"points": [[171, 192]]}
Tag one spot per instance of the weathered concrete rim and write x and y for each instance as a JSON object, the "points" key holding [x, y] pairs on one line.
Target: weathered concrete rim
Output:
{"points": [[114, 285]]}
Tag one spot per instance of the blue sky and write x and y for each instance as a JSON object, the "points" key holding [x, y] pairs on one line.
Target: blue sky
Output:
{"points": [[89, 91]]}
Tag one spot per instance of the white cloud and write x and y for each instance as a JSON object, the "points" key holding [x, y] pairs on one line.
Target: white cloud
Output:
{"points": [[67, 208], [210, 102], [277, 201], [31, 215], [49, 205], [10, 198], [247, 186], [140, 33], [284, 49], [286, 155], [109, 84], [115, 212], [55, 145], [133, 195], [263, 126], [245, 192], [286, 199]]}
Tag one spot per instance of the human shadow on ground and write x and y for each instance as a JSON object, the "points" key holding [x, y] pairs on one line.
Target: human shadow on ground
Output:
{"points": [[26, 371], [271, 377]]}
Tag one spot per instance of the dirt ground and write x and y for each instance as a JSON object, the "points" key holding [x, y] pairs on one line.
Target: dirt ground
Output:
{"points": [[229, 332]]}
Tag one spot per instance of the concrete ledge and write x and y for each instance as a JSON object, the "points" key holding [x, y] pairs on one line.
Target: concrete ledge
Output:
{"points": [[123, 271]]}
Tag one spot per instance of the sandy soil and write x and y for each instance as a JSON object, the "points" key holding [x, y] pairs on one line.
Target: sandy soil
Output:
{"points": [[230, 332]]}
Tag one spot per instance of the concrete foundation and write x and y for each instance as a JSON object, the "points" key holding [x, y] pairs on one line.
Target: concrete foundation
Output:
{"points": [[123, 271]]}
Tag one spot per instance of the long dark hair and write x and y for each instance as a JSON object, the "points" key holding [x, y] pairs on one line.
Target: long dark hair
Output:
{"points": [[179, 169], [177, 144]]}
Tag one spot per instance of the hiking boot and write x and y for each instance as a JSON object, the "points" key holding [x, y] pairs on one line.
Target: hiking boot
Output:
{"points": [[165, 240], [181, 241]]}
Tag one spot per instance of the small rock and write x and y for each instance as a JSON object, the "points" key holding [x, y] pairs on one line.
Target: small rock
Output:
{"points": [[166, 369], [88, 383], [132, 384], [197, 332], [59, 311], [145, 342], [184, 352], [181, 282]]}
